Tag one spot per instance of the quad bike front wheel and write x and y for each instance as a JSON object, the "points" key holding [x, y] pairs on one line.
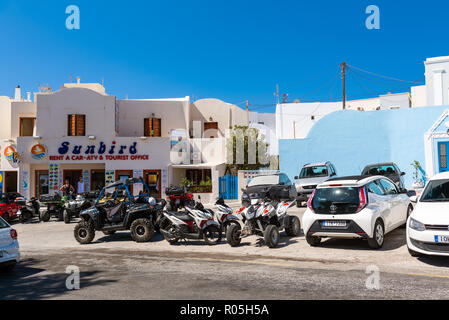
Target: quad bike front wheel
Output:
{"points": [[84, 232], [233, 233], [271, 236], [67, 216], [142, 230], [212, 235]]}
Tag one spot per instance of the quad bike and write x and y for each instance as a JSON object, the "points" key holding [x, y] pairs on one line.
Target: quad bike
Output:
{"points": [[178, 198], [52, 205], [225, 215], [264, 218], [120, 212], [73, 207], [193, 223], [27, 209]]}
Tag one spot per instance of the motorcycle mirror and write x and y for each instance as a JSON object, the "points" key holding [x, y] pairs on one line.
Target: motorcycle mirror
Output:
{"points": [[199, 197]]}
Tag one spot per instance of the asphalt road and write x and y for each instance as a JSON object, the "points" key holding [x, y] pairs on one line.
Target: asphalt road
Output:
{"points": [[115, 267]]}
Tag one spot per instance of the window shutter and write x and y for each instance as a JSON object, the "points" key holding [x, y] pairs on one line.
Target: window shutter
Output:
{"points": [[80, 125], [152, 127], [156, 127], [146, 127]]}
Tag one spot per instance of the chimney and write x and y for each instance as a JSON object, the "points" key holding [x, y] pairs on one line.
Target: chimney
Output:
{"points": [[18, 95], [29, 96]]}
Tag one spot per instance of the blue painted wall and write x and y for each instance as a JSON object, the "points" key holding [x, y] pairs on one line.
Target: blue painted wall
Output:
{"points": [[353, 139]]}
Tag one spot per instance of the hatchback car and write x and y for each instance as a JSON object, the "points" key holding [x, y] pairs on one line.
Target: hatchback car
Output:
{"points": [[387, 169], [310, 176], [9, 247], [355, 207], [428, 225]]}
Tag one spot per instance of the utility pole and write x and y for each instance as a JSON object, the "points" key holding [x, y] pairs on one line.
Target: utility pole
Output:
{"points": [[247, 112], [343, 77]]}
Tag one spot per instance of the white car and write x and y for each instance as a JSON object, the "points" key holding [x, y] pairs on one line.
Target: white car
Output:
{"points": [[9, 247], [428, 225], [355, 207]]}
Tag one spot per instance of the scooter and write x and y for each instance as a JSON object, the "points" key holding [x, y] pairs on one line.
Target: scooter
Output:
{"points": [[27, 209], [194, 223], [225, 215], [264, 218]]}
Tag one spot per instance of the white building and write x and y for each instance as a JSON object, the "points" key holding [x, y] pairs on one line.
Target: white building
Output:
{"points": [[80, 130]]}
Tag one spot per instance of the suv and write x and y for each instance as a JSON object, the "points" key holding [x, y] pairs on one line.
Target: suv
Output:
{"points": [[310, 176], [278, 185], [117, 209], [387, 169]]}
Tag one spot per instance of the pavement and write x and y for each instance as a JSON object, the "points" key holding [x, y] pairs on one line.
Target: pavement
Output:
{"points": [[115, 267]]}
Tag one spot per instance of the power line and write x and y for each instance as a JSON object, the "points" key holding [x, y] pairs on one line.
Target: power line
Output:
{"points": [[385, 77]]}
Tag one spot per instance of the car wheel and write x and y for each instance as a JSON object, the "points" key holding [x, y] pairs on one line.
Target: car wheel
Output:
{"points": [[45, 216], [414, 253], [409, 211], [377, 241], [313, 241], [142, 230], [84, 232], [271, 236], [293, 228], [233, 234]]}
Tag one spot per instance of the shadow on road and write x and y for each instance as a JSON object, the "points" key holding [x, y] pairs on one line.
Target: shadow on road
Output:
{"points": [[25, 282], [436, 261], [125, 236]]}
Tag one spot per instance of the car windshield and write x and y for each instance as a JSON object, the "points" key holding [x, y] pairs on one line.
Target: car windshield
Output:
{"points": [[381, 170], [313, 172], [436, 191], [3, 224], [264, 180]]}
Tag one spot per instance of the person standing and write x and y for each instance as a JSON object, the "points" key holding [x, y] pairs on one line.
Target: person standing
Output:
{"points": [[66, 188], [81, 186]]}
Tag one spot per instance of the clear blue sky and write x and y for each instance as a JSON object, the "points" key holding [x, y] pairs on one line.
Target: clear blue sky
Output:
{"points": [[231, 50]]}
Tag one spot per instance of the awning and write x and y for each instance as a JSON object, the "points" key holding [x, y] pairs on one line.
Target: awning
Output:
{"points": [[206, 165]]}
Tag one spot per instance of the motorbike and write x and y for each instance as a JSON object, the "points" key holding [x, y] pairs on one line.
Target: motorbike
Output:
{"points": [[27, 209], [178, 198], [73, 207], [265, 218], [195, 222], [225, 215]]}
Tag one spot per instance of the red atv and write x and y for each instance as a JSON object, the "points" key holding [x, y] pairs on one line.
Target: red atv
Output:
{"points": [[177, 198], [8, 206]]}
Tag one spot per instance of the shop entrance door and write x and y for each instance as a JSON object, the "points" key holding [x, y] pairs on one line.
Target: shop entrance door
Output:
{"points": [[73, 176], [10, 181], [97, 179], [153, 180], [41, 184]]}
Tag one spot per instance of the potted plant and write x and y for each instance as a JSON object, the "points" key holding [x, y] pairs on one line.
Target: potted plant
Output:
{"points": [[418, 183]]}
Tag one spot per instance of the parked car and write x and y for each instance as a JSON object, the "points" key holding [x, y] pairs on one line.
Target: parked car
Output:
{"points": [[9, 247], [116, 209], [279, 185], [355, 207], [387, 169], [428, 225], [310, 176]]}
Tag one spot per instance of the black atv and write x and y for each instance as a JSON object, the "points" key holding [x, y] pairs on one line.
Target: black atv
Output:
{"points": [[52, 205], [116, 209], [74, 205]]}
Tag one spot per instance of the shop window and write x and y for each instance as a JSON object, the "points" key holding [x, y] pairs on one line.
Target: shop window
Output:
{"points": [[200, 180], [76, 125], [152, 127], [97, 179], [26, 127], [210, 130], [41, 184], [443, 156], [153, 181]]}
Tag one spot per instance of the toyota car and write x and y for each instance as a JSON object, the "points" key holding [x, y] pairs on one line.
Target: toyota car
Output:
{"points": [[355, 207], [428, 225]]}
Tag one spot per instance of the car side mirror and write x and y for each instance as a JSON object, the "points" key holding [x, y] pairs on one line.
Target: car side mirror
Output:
{"points": [[296, 178], [414, 199], [402, 173]]}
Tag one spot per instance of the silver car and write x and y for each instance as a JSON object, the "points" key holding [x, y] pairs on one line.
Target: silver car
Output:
{"points": [[310, 176]]}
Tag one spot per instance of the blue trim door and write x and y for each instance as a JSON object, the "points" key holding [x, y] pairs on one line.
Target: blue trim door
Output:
{"points": [[443, 148]]}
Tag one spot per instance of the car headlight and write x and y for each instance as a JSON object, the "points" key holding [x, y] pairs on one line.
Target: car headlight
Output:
{"points": [[416, 225]]}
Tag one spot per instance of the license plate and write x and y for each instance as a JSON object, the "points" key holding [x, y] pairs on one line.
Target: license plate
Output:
{"points": [[334, 223], [442, 239]]}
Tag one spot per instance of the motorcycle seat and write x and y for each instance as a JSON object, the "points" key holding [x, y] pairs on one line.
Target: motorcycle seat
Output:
{"points": [[181, 215]]}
